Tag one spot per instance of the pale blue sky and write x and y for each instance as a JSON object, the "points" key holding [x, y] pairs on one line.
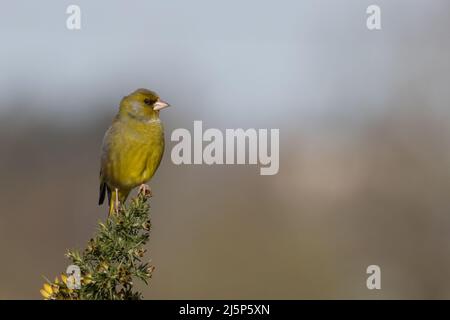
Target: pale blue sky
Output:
{"points": [[241, 61]]}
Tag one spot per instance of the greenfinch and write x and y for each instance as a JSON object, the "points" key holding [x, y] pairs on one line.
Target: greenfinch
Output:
{"points": [[132, 147]]}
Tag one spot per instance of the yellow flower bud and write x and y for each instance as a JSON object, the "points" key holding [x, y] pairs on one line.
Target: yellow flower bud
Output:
{"points": [[48, 288], [103, 267], [87, 279], [45, 294]]}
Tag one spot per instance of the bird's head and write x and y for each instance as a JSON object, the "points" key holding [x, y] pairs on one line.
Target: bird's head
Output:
{"points": [[142, 104]]}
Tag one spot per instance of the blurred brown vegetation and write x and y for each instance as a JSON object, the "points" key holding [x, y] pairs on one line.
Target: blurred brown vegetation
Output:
{"points": [[377, 194]]}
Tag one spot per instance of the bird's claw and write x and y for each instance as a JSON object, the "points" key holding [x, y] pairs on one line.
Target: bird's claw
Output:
{"points": [[145, 190]]}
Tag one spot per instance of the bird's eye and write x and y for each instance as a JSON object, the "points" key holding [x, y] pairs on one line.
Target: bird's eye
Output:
{"points": [[148, 102]]}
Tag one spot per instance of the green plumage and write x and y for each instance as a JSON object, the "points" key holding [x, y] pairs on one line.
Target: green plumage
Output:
{"points": [[133, 146]]}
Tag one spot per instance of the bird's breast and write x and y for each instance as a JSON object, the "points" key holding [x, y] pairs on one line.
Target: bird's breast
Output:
{"points": [[134, 156]]}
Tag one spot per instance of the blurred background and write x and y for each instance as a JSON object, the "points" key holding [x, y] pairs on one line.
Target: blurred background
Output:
{"points": [[364, 125]]}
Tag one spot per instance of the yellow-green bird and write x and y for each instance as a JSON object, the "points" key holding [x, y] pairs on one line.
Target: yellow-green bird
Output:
{"points": [[132, 147]]}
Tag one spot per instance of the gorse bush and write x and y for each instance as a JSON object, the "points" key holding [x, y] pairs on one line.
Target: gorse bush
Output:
{"points": [[112, 259]]}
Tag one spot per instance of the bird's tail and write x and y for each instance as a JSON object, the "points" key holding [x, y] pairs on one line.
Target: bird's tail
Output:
{"points": [[106, 190], [103, 191]]}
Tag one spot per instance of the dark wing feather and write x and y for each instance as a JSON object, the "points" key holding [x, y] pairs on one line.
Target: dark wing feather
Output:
{"points": [[102, 194]]}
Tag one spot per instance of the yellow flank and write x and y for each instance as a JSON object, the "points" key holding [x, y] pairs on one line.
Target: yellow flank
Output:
{"points": [[132, 147]]}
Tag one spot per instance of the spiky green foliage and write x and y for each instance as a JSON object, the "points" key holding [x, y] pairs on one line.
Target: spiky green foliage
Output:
{"points": [[113, 258]]}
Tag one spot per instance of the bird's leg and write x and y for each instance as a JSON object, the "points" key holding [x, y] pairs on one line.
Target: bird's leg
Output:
{"points": [[116, 204], [145, 190]]}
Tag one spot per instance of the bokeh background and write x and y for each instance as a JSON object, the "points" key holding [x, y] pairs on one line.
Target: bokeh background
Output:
{"points": [[364, 125]]}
